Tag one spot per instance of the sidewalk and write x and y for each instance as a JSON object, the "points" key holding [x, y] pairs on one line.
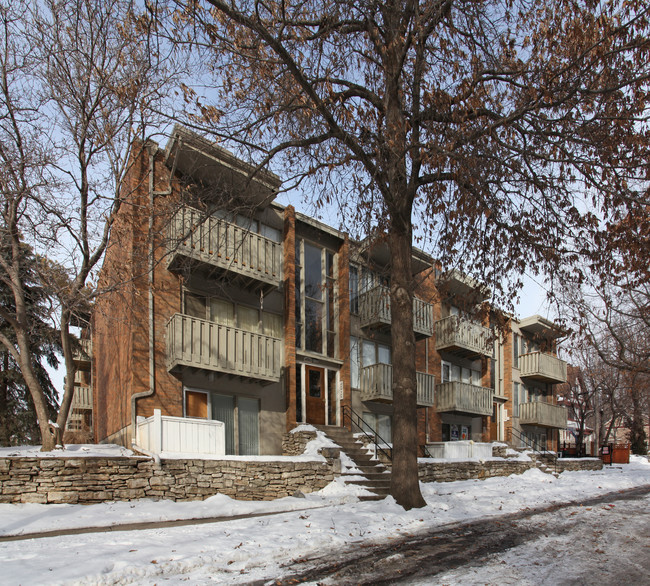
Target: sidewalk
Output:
{"points": [[142, 525]]}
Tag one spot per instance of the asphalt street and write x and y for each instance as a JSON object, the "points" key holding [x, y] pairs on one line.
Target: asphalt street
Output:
{"points": [[603, 540]]}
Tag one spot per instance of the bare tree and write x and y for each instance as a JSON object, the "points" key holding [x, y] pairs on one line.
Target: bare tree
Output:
{"points": [[24, 181], [484, 120], [96, 79], [580, 399]]}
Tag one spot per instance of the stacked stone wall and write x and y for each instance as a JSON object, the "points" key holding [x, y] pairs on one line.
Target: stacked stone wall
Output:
{"points": [[294, 443], [575, 464], [93, 480], [468, 470]]}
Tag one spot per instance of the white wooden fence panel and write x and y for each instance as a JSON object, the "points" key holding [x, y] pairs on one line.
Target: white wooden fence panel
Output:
{"points": [[181, 435]]}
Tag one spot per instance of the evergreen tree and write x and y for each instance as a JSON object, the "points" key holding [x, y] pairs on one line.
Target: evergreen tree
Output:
{"points": [[18, 421]]}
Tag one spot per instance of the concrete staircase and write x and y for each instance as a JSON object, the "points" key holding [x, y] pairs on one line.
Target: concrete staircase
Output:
{"points": [[376, 475]]}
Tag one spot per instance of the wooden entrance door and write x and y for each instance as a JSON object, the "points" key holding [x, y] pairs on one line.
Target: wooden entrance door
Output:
{"points": [[315, 395]]}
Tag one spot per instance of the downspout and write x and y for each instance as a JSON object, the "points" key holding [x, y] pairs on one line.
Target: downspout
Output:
{"points": [[426, 409], [151, 149], [150, 390]]}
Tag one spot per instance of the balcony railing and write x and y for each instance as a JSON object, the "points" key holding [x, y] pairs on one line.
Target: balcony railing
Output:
{"points": [[545, 367], [377, 385], [224, 245], [461, 336], [82, 398], [543, 414], [205, 344], [83, 355], [464, 398], [374, 310]]}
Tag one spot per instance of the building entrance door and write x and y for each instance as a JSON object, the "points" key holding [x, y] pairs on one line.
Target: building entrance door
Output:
{"points": [[315, 395]]}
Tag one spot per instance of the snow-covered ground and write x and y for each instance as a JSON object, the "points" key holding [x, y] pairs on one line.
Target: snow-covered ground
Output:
{"points": [[262, 547]]}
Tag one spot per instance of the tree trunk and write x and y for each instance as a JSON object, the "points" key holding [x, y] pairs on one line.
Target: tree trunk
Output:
{"points": [[48, 439], [404, 485], [5, 433], [70, 374]]}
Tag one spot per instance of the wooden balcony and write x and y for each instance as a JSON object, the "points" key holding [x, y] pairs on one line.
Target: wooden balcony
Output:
{"points": [[82, 357], [543, 415], [250, 258], [544, 367], [377, 385], [461, 397], [199, 343], [82, 397], [464, 338], [374, 310]]}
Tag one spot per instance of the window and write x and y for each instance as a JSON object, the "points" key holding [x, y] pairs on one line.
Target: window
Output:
{"points": [[315, 308], [222, 312], [453, 432], [250, 224], [271, 233], [366, 353], [248, 426], [234, 315], [455, 373], [299, 413], [515, 350], [515, 399], [240, 416], [272, 324], [195, 305], [355, 363], [354, 289], [380, 424]]}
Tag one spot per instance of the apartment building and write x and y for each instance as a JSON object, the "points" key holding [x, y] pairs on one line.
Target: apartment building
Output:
{"points": [[221, 304]]}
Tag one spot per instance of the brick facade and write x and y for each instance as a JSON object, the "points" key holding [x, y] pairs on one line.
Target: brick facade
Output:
{"points": [[289, 268], [344, 324], [122, 330]]}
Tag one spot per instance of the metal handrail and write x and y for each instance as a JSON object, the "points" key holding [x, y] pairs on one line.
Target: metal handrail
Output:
{"points": [[425, 451], [532, 444], [373, 436]]}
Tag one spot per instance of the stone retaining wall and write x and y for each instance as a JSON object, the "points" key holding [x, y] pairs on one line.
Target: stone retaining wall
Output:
{"points": [[574, 464], [294, 442], [92, 480], [467, 470]]}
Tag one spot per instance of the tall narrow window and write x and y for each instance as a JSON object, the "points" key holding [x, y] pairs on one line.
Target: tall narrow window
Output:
{"points": [[299, 413], [248, 423], [313, 298], [515, 350], [446, 372], [330, 292], [195, 305], [248, 318], [331, 397], [222, 312], [383, 354], [272, 324], [355, 374], [354, 289], [223, 409], [316, 319], [299, 324], [368, 353], [515, 400]]}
